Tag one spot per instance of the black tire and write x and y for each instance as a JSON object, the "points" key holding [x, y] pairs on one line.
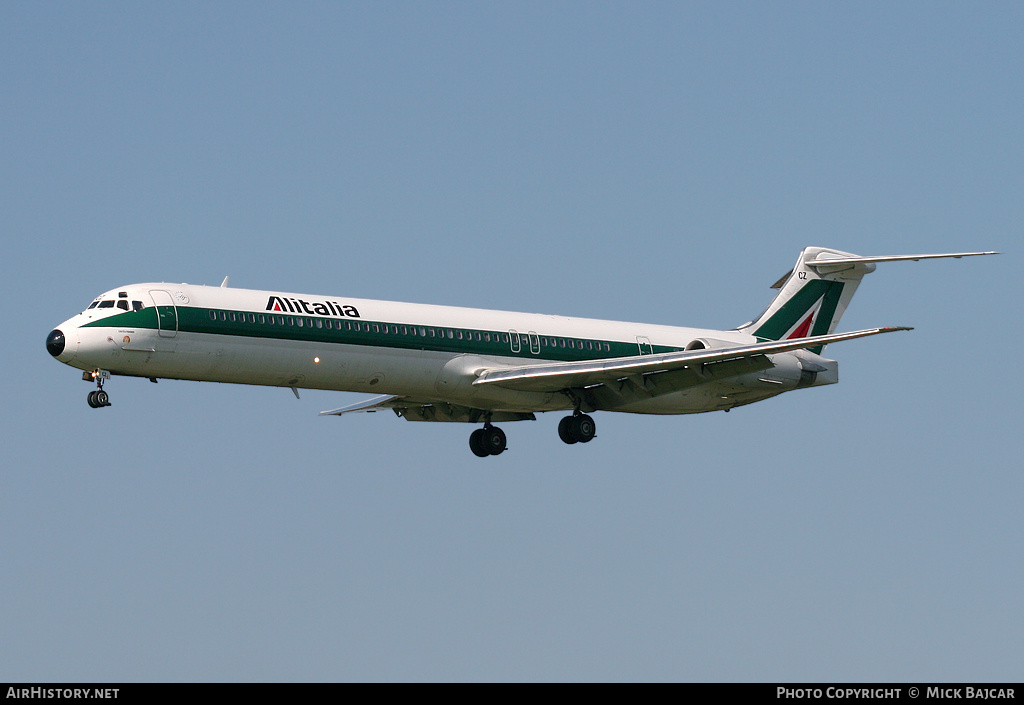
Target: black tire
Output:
{"points": [[494, 440], [565, 430], [102, 398], [92, 399], [476, 443], [584, 428]]}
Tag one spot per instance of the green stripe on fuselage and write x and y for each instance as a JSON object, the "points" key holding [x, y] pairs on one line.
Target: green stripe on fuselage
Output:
{"points": [[360, 331]]}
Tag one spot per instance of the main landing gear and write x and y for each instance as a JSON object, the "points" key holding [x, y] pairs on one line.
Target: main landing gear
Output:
{"points": [[97, 398], [489, 440], [578, 428]]}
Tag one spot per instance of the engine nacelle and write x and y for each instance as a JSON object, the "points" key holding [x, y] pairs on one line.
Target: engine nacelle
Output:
{"points": [[800, 368], [709, 344], [817, 370]]}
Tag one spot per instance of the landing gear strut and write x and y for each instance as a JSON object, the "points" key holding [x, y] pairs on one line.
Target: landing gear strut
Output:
{"points": [[489, 440], [578, 428], [98, 398]]}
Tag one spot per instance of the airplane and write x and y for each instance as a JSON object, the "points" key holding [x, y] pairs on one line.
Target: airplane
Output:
{"points": [[441, 363]]}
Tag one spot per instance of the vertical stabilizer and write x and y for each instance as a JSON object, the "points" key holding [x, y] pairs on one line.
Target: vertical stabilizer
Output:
{"points": [[811, 298], [815, 294]]}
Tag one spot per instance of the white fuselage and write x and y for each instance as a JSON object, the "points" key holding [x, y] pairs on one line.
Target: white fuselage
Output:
{"points": [[418, 351]]}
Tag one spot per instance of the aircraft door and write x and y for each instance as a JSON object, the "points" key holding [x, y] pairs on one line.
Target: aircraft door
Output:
{"points": [[534, 342], [644, 343], [166, 313]]}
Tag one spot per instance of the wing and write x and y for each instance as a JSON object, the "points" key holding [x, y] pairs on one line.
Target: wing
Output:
{"points": [[429, 410], [368, 406], [557, 376]]}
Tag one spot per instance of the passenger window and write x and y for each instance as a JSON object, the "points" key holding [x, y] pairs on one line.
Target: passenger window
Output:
{"points": [[213, 315], [262, 318]]}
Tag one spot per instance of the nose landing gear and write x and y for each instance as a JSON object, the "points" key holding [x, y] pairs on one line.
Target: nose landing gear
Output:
{"points": [[97, 398]]}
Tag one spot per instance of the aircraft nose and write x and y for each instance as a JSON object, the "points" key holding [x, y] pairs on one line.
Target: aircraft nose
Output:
{"points": [[55, 342]]}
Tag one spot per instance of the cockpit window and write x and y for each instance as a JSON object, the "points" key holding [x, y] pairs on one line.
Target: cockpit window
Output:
{"points": [[138, 305], [94, 304], [106, 304], [123, 305]]}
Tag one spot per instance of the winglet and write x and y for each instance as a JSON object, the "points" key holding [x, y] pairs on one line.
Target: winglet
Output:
{"points": [[224, 284]]}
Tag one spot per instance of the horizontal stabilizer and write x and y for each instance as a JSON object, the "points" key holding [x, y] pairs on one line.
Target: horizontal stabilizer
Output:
{"points": [[825, 260]]}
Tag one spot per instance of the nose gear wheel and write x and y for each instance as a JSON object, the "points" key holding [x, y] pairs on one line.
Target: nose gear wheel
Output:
{"points": [[98, 398]]}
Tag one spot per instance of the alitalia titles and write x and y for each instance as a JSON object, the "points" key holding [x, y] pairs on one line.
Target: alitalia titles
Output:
{"points": [[320, 308]]}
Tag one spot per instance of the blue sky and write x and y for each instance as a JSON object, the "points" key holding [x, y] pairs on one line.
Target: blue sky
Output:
{"points": [[660, 162]]}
